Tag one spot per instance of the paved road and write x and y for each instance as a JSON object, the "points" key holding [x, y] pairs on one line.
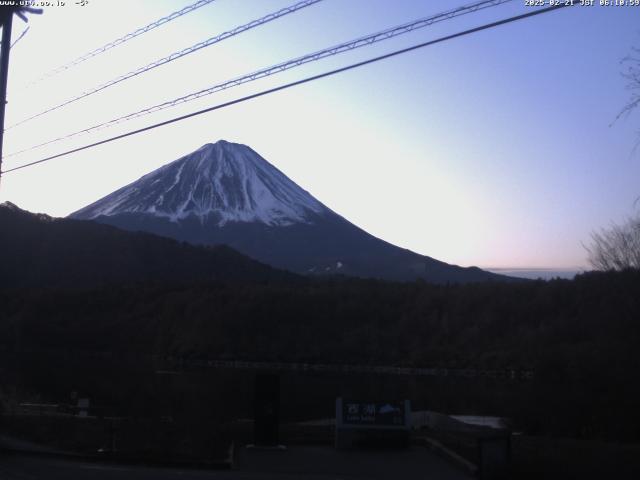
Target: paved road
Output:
{"points": [[413, 463], [316, 463]]}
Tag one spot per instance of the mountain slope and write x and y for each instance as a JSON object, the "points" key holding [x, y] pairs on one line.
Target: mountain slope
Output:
{"points": [[225, 193], [39, 251]]}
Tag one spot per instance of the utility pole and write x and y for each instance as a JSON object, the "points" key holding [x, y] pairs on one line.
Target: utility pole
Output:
{"points": [[7, 21]]}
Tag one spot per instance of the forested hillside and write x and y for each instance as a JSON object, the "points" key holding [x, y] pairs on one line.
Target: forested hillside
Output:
{"points": [[580, 337], [39, 251]]}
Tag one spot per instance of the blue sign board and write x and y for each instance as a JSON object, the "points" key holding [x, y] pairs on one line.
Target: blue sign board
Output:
{"points": [[389, 414]]}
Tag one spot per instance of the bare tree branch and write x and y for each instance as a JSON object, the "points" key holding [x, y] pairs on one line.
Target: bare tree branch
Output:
{"points": [[631, 73], [616, 248]]}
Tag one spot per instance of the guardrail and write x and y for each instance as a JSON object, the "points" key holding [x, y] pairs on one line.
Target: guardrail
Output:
{"points": [[512, 374], [508, 373]]}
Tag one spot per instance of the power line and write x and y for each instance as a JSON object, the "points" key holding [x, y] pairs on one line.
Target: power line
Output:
{"points": [[123, 39], [176, 55], [296, 83], [24, 32], [296, 62]]}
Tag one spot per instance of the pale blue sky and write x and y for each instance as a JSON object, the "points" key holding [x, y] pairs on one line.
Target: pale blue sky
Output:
{"points": [[493, 149]]}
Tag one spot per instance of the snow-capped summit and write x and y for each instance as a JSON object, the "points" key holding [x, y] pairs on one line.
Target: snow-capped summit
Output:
{"points": [[222, 182], [225, 193]]}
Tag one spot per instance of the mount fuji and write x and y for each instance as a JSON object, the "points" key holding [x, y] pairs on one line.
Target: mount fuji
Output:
{"points": [[225, 193]]}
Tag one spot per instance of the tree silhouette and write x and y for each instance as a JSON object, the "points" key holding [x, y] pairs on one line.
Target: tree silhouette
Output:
{"points": [[616, 248]]}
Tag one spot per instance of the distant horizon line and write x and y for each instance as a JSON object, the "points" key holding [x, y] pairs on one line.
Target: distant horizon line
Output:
{"points": [[537, 269], [544, 273]]}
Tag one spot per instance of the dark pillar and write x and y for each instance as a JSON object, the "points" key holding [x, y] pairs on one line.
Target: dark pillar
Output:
{"points": [[266, 410]]}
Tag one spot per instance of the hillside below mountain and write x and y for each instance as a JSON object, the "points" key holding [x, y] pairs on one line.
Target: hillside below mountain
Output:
{"points": [[41, 251]]}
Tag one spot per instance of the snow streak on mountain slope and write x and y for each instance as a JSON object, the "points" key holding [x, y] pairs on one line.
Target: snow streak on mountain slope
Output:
{"points": [[224, 182]]}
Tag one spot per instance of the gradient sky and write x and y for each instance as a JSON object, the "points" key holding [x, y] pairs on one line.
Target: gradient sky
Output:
{"points": [[495, 149]]}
